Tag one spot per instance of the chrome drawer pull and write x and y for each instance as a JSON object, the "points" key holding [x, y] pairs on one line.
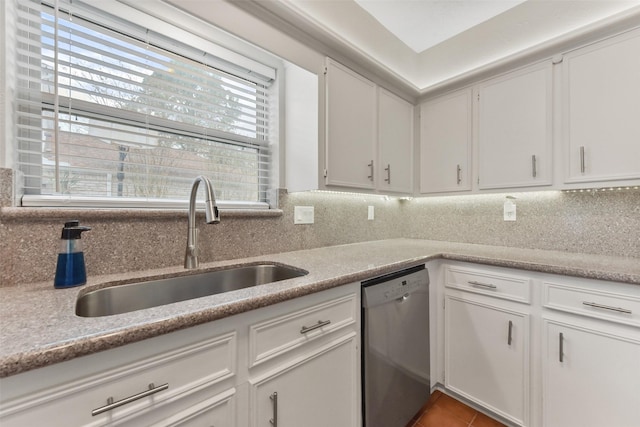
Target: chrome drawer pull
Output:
{"points": [[509, 339], [458, 174], [274, 401], [482, 285], [607, 307], [112, 405], [320, 324], [388, 178], [371, 166], [561, 347], [582, 166]]}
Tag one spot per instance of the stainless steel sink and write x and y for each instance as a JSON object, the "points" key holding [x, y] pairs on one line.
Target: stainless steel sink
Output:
{"points": [[153, 293]]}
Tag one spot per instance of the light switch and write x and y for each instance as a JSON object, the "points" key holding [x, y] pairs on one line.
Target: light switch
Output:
{"points": [[303, 214]]}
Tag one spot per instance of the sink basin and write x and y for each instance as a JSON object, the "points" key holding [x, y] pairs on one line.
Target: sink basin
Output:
{"points": [[153, 293]]}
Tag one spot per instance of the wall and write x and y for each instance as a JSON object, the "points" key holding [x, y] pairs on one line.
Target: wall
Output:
{"points": [[605, 223]]}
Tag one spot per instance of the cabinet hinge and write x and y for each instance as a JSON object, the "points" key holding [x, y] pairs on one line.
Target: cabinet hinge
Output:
{"points": [[325, 173], [326, 70], [557, 59], [478, 96]]}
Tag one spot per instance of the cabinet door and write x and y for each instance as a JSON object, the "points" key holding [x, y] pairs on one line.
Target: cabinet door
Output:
{"points": [[591, 378], [313, 391], [445, 143], [351, 128], [395, 143], [515, 129], [486, 356], [601, 101]]}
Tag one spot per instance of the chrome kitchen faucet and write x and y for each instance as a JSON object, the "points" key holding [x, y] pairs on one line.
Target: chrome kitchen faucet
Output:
{"points": [[212, 217]]}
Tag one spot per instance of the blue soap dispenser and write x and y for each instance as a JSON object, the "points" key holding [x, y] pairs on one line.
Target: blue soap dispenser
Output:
{"points": [[70, 270]]}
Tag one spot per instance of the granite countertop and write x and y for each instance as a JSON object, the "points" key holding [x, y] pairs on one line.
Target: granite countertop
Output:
{"points": [[40, 328]]}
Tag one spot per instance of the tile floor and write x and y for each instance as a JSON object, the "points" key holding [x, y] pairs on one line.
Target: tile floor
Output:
{"points": [[444, 411]]}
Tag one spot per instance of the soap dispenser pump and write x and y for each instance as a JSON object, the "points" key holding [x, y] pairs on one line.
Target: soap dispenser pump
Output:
{"points": [[70, 270]]}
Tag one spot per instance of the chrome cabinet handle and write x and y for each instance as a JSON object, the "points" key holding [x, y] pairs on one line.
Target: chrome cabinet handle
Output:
{"points": [[274, 401], [388, 169], [509, 339], [534, 166], [371, 166], [482, 285], [582, 166], [112, 405], [561, 346], [607, 307], [320, 324], [458, 174]]}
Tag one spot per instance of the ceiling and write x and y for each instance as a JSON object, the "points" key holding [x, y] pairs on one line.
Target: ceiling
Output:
{"points": [[427, 43], [424, 24]]}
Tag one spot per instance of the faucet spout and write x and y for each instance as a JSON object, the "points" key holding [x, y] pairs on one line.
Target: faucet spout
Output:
{"points": [[212, 217]]}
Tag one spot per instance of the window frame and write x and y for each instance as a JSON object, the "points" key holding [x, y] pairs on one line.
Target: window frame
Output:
{"points": [[171, 20]]}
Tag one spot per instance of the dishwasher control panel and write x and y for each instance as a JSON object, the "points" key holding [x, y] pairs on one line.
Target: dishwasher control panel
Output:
{"points": [[394, 289]]}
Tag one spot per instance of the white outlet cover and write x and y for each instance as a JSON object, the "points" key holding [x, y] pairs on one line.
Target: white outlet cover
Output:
{"points": [[303, 215], [370, 214], [509, 211]]}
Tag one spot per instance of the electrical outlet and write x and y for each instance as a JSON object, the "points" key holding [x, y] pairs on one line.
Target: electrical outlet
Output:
{"points": [[303, 215], [509, 211], [370, 213]]}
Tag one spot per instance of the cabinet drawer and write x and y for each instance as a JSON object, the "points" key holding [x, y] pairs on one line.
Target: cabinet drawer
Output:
{"points": [[499, 285], [214, 411], [601, 304], [185, 371], [273, 337]]}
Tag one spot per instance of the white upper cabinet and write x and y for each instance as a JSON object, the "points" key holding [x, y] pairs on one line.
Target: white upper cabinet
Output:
{"points": [[350, 128], [395, 143], [601, 110], [445, 143], [515, 129]]}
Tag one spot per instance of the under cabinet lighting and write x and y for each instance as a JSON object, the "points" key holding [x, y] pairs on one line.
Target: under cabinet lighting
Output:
{"points": [[601, 190]]}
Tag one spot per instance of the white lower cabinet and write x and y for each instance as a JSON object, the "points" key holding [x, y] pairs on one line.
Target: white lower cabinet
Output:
{"points": [[306, 349], [487, 356], [145, 383], [316, 390], [304, 364], [487, 340], [591, 376], [591, 353], [539, 349]]}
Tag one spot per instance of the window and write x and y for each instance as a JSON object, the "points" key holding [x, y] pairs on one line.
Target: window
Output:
{"points": [[109, 109]]}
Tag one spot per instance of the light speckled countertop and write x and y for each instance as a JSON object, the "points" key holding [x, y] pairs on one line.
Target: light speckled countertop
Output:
{"points": [[40, 328]]}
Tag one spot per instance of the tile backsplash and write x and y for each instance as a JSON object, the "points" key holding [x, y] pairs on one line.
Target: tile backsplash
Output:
{"points": [[131, 240]]}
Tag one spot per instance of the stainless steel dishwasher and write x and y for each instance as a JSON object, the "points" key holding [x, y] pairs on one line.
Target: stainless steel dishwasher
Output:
{"points": [[395, 347]]}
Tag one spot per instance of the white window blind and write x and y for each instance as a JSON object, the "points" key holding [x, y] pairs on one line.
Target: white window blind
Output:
{"points": [[110, 109]]}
